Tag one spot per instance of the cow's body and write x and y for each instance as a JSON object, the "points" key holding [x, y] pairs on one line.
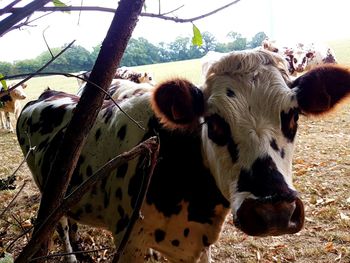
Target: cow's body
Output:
{"points": [[239, 160], [10, 103]]}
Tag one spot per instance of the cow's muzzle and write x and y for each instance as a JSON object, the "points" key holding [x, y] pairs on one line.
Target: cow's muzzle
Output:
{"points": [[270, 218]]}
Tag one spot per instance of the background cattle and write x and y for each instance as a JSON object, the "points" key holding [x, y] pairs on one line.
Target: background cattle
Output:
{"points": [[302, 57], [224, 148], [10, 103], [122, 73]]}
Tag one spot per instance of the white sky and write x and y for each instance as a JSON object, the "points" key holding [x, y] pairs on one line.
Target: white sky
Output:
{"points": [[282, 20]]}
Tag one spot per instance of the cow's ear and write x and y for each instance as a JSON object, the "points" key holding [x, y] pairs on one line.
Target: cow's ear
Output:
{"points": [[323, 87], [178, 104]]}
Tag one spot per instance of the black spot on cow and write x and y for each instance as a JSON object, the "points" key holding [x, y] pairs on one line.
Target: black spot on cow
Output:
{"points": [[218, 129], [177, 175], [88, 170], [6, 98], [121, 211], [290, 123], [274, 145], [122, 132], [108, 114], [186, 232], [122, 170], [50, 154], [264, 180], [282, 153], [219, 132], [119, 194], [74, 227], [50, 118], [88, 208], [98, 134], [122, 224], [205, 241], [175, 242], [159, 235]]}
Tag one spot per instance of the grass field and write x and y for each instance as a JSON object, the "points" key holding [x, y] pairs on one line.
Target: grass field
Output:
{"points": [[321, 174]]}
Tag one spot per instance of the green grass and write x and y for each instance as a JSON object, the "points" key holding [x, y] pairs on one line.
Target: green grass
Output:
{"points": [[190, 69]]}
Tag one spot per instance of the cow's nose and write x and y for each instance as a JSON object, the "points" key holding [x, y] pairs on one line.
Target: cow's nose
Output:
{"points": [[257, 218]]}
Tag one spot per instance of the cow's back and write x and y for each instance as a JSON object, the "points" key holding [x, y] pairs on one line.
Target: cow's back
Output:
{"points": [[45, 120]]}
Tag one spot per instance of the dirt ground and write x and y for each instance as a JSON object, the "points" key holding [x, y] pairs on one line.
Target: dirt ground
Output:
{"points": [[322, 176]]}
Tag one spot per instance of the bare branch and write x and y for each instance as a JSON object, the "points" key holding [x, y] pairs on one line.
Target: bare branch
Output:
{"points": [[7, 9], [16, 17], [47, 45], [13, 199], [163, 16], [65, 254]]}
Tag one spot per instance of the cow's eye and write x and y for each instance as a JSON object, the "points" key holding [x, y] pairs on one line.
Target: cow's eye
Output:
{"points": [[230, 93], [295, 60]]}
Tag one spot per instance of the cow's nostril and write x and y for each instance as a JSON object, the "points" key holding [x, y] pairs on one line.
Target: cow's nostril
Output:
{"points": [[297, 219]]}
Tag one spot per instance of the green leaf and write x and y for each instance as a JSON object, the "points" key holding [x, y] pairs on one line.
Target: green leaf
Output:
{"points": [[3, 82], [197, 36], [58, 3]]}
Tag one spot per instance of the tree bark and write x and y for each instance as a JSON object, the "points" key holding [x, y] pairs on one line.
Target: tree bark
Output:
{"points": [[113, 46]]}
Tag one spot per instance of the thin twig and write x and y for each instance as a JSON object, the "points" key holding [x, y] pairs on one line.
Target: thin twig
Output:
{"points": [[70, 253], [18, 221], [8, 248], [172, 11], [47, 45], [13, 199]]}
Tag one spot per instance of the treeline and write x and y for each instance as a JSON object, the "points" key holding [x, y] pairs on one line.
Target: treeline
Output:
{"points": [[139, 52]]}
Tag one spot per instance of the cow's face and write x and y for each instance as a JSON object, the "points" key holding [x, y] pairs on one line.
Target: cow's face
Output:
{"points": [[19, 93], [247, 113], [299, 59], [248, 139]]}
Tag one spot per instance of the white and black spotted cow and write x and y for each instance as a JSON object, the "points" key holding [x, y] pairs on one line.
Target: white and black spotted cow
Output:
{"points": [[225, 147]]}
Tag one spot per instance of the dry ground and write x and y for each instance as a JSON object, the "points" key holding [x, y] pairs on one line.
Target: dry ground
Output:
{"points": [[322, 176]]}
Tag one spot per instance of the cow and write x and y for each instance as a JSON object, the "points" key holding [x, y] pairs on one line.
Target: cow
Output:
{"points": [[225, 147], [10, 103], [123, 73], [137, 77], [302, 57]]}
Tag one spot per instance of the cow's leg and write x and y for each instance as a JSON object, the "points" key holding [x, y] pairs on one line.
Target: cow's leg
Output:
{"points": [[205, 256], [2, 117], [63, 232], [8, 122], [75, 242]]}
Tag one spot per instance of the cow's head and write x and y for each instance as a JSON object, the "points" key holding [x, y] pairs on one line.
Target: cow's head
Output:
{"points": [[298, 59], [247, 112], [18, 93]]}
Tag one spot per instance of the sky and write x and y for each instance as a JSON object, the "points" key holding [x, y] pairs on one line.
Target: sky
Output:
{"points": [[287, 21]]}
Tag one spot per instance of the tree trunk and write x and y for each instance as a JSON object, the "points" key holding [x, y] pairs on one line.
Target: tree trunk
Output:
{"points": [[85, 114]]}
